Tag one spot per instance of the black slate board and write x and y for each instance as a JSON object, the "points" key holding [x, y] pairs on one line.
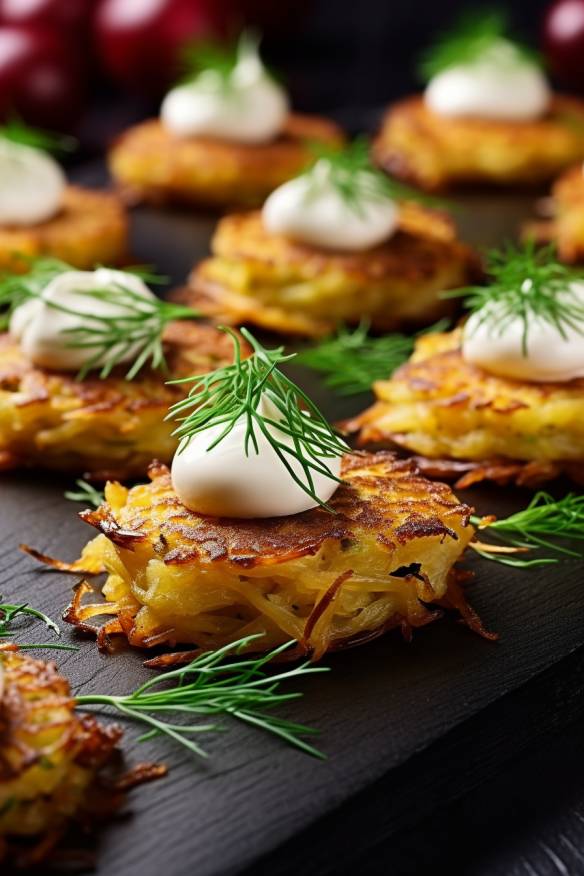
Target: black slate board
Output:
{"points": [[378, 707]]}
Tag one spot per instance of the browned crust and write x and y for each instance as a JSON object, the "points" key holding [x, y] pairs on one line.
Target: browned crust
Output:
{"points": [[380, 491], [434, 153], [150, 164], [564, 217], [91, 228]]}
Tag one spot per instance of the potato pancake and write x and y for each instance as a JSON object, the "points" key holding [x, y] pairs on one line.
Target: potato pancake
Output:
{"points": [[151, 164], [106, 428], [434, 152], [326, 580], [91, 228], [438, 405], [566, 226], [268, 280]]}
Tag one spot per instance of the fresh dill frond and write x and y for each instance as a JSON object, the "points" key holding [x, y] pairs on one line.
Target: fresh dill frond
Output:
{"points": [[475, 34], [87, 494], [352, 361], [134, 328], [547, 524], [234, 392], [211, 58], [353, 175], [213, 685], [10, 612], [17, 131], [528, 283]]}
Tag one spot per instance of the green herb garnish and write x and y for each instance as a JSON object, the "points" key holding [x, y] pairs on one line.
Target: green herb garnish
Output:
{"points": [[233, 392], [353, 360], [17, 132], [216, 61], [476, 34], [526, 283], [546, 524], [209, 686], [135, 327], [87, 494], [354, 176], [10, 612]]}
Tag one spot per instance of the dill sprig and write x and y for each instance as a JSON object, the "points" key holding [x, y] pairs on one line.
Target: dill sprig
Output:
{"points": [[86, 493], [354, 176], [526, 283], [211, 686], [353, 360], [475, 34], [16, 131], [546, 524], [135, 328], [216, 61], [233, 392], [10, 612]]}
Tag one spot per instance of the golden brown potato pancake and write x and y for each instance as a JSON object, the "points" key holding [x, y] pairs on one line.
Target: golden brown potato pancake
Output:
{"points": [[150, 164], [565, 228], [51, 760], [434, 153], [271, 281], [326, 580], [107, 428], [91, 228], [439, 406]]}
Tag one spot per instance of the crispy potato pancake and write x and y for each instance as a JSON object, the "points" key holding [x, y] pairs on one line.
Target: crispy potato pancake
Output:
{"points": [[434, 153], [438, 405], [106, 428], [150, 164], [325, 580], [91, 228], [271, 281], [566, 226]]}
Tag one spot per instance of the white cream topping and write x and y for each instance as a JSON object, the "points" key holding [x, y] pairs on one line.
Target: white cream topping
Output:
{"points": [[40, 327], [501, 84], [250, 108], [31, 184], [224, 482], [311, 209], [497, 346]]}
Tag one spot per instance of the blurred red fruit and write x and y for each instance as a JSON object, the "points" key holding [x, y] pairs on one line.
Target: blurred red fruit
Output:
{"points": [[563, 37], [39, 77], [139, 41], [62, 15]]}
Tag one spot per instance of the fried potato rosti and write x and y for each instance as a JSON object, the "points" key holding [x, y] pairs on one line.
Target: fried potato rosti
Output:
{"points": [[271, 281], [565, 228], [91, 228], [433, 152], [438, 405], [107, 428], [326, 580], [51, 761], [151, 164]]}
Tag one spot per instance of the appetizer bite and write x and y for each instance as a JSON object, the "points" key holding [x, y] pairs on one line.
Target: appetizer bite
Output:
{"points": [[83, 367], [225, 136], [564, 225], [52, 761], [339, 243], [41, 215], [268, 525], [505, 393], [488, 115]]}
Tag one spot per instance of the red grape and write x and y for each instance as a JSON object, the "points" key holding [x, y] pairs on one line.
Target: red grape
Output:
{"points": [[39, 77], [564, 40], [139, 41], [70, 15]]}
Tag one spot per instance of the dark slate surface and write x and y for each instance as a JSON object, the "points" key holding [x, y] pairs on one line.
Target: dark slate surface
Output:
{"points": [[404, 726]]}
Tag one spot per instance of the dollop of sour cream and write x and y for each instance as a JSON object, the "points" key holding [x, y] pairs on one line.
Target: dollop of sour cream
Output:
{"points": [[501, 84], [549, 356], [31, 184], [312, 210], [224, 482], [40, 326], [249, 108]]}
